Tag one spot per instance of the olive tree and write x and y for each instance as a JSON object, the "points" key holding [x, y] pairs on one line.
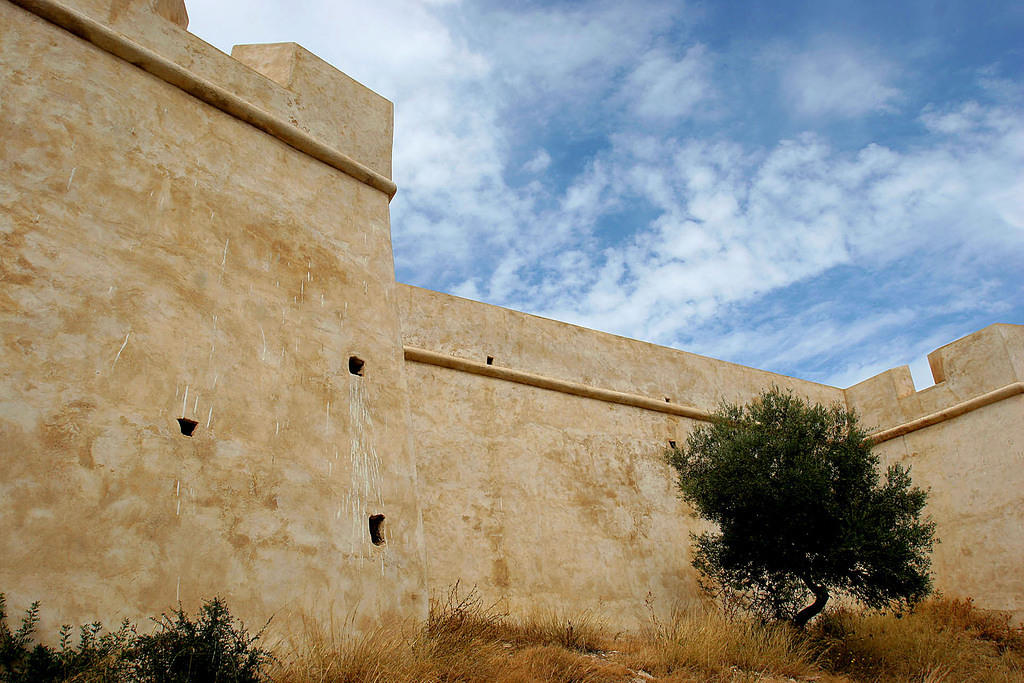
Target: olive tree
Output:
{"points": [[801, 510]]}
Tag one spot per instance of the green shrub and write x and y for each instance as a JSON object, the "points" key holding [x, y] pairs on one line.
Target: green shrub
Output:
{"points": [[210, 649], [96, 657]]}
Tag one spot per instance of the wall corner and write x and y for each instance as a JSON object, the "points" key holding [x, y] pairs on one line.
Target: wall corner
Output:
{"points": [[329, 104]]}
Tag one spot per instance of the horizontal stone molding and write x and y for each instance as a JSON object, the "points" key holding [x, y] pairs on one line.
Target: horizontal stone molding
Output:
{"points": [[573, 388], [212, 94], [418, 355]]}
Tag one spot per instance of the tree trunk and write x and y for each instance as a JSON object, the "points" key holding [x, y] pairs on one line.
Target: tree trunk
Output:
{"points": [[807, 613]]}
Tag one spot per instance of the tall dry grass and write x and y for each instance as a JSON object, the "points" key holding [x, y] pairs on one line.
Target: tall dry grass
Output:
{"points": [[702, 642], [943, 640], [465, 639]]}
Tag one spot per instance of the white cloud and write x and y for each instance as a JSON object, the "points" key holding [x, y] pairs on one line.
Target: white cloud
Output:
{"points": [[836, 80], [662, 87], [538, 163]]}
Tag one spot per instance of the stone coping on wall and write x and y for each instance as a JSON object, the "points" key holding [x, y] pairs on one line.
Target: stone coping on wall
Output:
{"points": [[167, 51], [480, 332]]}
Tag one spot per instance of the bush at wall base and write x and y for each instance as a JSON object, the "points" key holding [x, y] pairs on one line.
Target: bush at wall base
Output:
{"points": [[182, 650]]}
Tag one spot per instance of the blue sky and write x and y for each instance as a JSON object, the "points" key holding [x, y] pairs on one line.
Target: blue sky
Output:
{"points": [[822, 189]]}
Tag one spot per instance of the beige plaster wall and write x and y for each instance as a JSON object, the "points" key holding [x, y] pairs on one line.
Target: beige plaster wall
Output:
{"points": [[541, 498], [973, 463], [547, 500], [472, 330], [162, 259]]}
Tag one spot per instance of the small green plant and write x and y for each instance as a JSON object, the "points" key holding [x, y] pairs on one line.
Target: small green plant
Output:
{"points": [[209, 649], [99, 656]]}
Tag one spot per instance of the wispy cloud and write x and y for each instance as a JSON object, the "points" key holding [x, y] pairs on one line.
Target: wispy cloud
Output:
{"points": [[663, 87], [835, 78]]}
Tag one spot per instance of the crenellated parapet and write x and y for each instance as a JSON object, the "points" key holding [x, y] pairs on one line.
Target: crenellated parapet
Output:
{"points": [[282, 89], [970, 373]]}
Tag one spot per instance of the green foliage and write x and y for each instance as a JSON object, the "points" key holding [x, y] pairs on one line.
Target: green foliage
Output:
{"points": [[801, 510], [209, 649], [98, 656]]}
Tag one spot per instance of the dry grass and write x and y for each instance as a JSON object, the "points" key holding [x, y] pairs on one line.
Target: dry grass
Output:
{"points": [[702, 641], [944, 641], [463, 640]]}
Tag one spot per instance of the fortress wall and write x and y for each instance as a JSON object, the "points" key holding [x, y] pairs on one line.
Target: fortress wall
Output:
{"points": [[188, 236], [472, 330], [542, 496], [974, 467], [973, 462], [163, 259], [547, 499]]}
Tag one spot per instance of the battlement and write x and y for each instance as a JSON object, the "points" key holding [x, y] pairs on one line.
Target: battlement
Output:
{"points": [[483, 333], [985, 361], [281, 89]]}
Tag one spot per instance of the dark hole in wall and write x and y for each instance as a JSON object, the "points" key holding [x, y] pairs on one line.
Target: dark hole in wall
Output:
{"points": [[671, 443], [490, 360], [377, 529], [355, 365], [668, 400], [187, 426]]}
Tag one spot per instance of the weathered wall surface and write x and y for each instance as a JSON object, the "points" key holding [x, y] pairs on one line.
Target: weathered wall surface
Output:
{"points": [[973, 462], [552, 498], [191, 236], [162, 259], [547, 499]]}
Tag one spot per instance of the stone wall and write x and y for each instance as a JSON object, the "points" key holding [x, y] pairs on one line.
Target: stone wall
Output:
{"points": [[971, 456], [198, 243], [542, 498], [538, 466], [164, 259]]}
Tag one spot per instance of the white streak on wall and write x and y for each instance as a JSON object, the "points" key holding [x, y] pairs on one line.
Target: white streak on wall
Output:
{"points": [[209, 416], [365, 490], [264, 356], [224, 258], [177, 591], [177, 487], [184, 402], [120, 350], [72, 176], [196, 406]]}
